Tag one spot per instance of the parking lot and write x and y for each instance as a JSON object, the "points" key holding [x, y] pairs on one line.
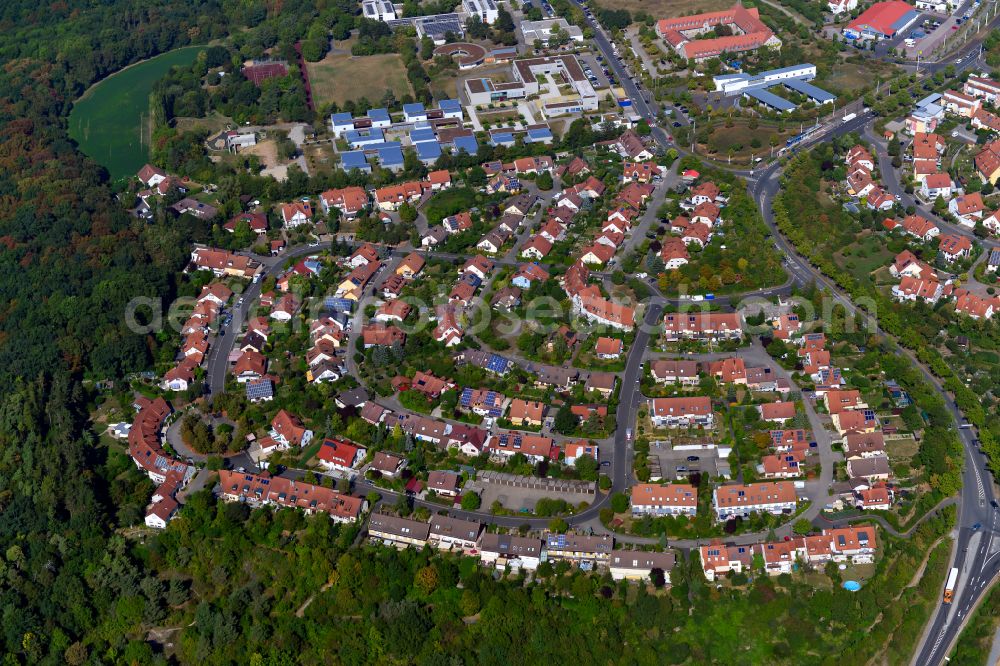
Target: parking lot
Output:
{"points": [[589, 60], [521, 493], [674, 465]]}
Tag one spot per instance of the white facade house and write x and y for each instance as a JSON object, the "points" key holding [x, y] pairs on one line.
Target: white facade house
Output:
{"points": [[378, 10], [742, 500], [486, 10], [671, 500]]}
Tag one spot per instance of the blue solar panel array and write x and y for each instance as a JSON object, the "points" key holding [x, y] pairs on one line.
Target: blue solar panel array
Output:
{"points": [[423, 134], [379, 115], [338, 304], [260, 390], [354, 159], [539, 134], [428, 151], [391, 155], [809, 90], [489, 401], [466, 143], [415, 109], [497, 364], [450, 106], [770, 99]]}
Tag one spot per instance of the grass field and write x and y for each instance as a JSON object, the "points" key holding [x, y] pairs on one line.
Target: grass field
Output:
{"points": [[850, 77], [668, 8], [339, 78], [740, 136], [111, 120]]}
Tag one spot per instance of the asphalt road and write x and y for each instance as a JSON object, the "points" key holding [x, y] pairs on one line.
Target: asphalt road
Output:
{"points": [[974, 553]]}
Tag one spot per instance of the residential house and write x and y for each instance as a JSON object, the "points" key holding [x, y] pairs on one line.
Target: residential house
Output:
{"points": [[288, 430], [675, 372], [446, 484], [410, 266], [396, 531], [953, 247], [447, 533], [777, 412], [387, 464], [681, 412], [639, 565], [349, 201], [608, 348], [872, 468], [296, 214], [579, 548], [666, 500], [535, 448], [338, 455], [504, 550], [936, 185], [526, 412], [968, 208], [741, 500]]}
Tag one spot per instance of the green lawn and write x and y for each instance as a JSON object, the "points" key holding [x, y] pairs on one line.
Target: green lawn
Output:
{"points": [[111, 120]]}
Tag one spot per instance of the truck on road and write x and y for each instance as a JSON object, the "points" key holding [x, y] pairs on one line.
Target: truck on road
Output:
{"points": [[849, 117], [949, 587]]}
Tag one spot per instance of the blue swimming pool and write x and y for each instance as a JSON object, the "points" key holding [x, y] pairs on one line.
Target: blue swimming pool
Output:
{"points": [[851, 585]]}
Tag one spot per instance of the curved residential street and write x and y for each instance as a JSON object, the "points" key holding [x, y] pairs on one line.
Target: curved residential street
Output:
{"points": [[975, 553]]}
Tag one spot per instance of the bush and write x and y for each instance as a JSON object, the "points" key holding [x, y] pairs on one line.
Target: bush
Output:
{"points": [[471, 501], [619, 502]]}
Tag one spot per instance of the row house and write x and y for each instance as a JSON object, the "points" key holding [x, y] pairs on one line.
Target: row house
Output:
{"points": [[960, 104], [666, 371], [681, 412], [741, 500], [639, 565], [349, 201], [983, 88], [703, 325], [670, 500], [535, 448], [447, 533], [398, 532], [503, 551], [265, 490], [578, 548]]}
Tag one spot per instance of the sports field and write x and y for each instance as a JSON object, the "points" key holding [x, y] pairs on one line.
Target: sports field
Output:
{"points": [[111, 120], [339, 78]]}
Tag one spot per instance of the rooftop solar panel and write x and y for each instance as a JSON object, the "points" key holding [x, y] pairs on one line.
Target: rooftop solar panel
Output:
{"points": [[770, 99]]}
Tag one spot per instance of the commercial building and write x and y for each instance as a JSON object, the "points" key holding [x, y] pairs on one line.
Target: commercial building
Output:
{"points": [[486, 10], [748, 33], [883, 20], [543, 30], [561, 70]]}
